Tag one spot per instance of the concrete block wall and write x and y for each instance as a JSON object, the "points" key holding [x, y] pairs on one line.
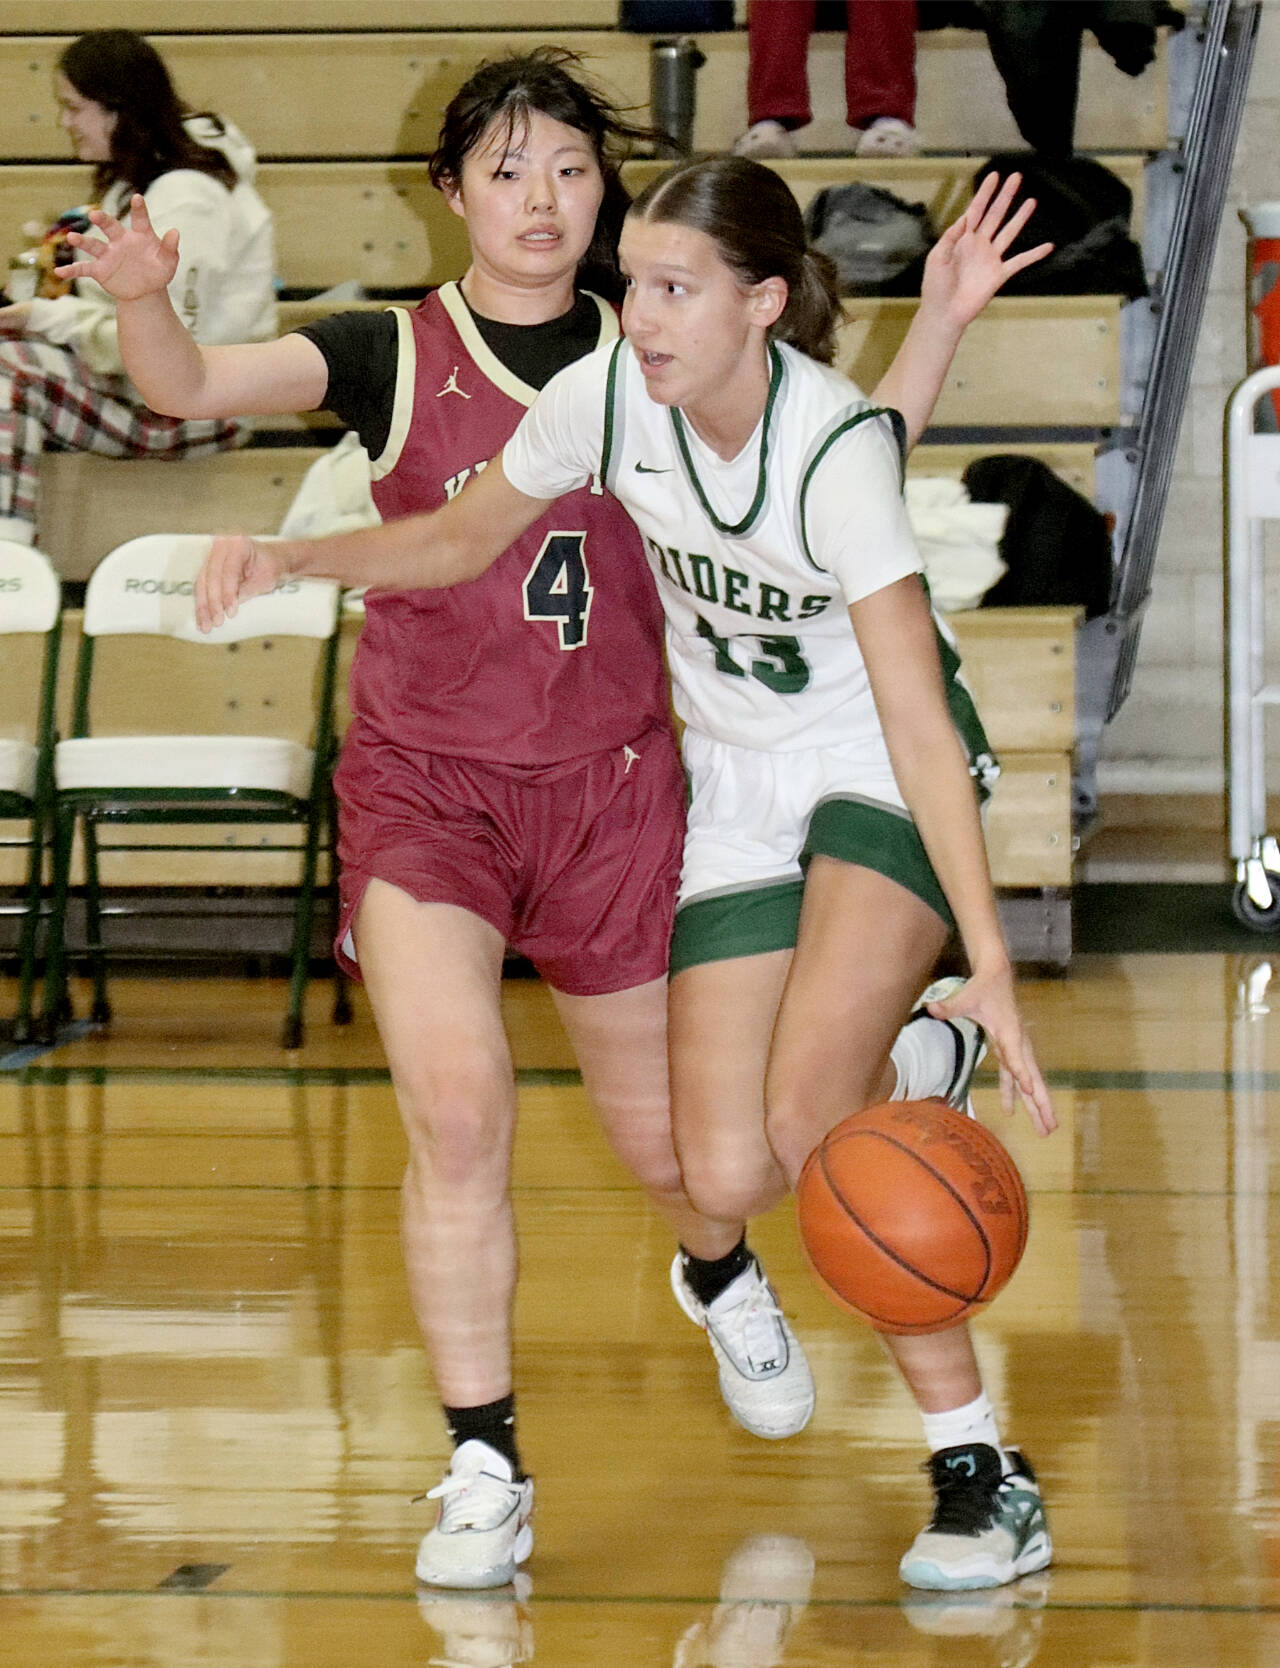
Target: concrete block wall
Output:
{"points": [[1169, 735]]}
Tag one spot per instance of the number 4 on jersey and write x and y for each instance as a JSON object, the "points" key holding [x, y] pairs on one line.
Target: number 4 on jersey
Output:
{"points": [[558, 587]]}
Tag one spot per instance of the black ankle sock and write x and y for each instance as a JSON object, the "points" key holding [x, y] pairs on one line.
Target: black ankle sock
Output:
{"points": [[707, 1278], [494, 1423]]}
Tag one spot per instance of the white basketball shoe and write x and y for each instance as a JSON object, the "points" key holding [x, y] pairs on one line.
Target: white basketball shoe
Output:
{"points": [[988, 1525], [764, 1377], [482, 1533], [944, 1073]]}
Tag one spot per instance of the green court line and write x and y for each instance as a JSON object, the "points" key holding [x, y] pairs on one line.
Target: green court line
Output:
{"points": [[531, 1077], [1123, 1607], [593, 1190], [296, 1077]]}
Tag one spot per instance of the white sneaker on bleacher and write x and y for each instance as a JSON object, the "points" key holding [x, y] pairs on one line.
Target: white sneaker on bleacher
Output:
{"points": [[889, 136], [763, 140]]}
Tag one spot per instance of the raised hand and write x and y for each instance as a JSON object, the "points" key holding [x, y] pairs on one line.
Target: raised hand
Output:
{"points": [[235, 569], [989, 999], [133, 261], [969, 263]]}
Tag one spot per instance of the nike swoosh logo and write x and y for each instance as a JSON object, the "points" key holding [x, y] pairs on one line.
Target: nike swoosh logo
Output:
{"points": [[644, 469]]}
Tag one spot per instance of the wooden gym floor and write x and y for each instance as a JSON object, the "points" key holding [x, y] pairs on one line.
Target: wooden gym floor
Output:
{"points": [[214, 1412]]}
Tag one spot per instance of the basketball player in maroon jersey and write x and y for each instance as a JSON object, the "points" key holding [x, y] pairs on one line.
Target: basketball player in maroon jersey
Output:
{"points": [[510, 776]]}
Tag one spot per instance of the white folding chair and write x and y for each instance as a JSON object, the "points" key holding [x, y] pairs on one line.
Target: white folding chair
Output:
{"points": [[30, 616], [172, 734]]}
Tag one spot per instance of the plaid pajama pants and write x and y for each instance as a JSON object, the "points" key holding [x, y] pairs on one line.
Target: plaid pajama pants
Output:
{"points": [[51, 401]]}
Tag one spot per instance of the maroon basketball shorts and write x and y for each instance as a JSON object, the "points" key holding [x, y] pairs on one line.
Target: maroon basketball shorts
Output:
{"points": [[575, 864]]}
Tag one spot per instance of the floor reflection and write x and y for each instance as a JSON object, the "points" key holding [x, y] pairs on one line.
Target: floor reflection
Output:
{"points": [[1009, 1620], [208, 1361], [764, 1591]]}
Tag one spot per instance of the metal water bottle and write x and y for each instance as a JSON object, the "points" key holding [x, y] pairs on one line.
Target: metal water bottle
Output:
{"points": [[673, 69]]}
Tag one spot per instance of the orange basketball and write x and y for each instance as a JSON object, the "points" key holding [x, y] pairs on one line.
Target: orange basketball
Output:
{"points": [[911, 1215]]}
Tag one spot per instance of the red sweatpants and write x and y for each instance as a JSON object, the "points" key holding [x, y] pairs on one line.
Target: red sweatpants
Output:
{"points": [[879, 60]]}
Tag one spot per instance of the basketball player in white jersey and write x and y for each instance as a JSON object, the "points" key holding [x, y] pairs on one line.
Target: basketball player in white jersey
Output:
{"points": [[834, 829]]}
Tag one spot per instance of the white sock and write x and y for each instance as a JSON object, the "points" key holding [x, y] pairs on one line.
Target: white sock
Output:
{"points": [[960, 1426], [924, 1057]]}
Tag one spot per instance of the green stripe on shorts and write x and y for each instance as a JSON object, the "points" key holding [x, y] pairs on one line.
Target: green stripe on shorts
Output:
{"points": [[757, 919], [880, 838], [749, 922]]}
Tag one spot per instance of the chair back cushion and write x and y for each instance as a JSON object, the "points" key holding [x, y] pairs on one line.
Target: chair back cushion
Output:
{"points": [[30, 591], [147, 587]]}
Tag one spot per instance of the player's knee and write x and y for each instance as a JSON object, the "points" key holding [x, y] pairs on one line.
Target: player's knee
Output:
{"points": [[728, 1185], [640, 1135], [459, 1123], [654, 1167]]}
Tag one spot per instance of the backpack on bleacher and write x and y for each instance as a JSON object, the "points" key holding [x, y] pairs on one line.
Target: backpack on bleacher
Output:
{"points": [[877, 241], [1056, 546], [1084, 210]]}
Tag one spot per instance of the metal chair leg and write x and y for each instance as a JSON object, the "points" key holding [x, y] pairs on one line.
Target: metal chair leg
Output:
{"points": [[29, 937], [55, 1003], [100, 1013], [304, 914]]}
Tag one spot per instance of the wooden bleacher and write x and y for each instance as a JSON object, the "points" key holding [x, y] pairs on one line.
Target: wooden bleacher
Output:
{"points": [[278, 82], [93, 504], [341, 167], [398, 234]]}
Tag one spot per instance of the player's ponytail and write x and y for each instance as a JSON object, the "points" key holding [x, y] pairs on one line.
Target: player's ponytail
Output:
{"points": [[749, 213], [813, 308]]}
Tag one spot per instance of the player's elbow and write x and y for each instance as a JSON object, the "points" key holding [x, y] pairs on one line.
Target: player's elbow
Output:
{"points": [[162, 396]]}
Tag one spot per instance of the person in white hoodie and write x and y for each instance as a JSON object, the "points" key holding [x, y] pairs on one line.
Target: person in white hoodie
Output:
{"points": [[62, 382]]}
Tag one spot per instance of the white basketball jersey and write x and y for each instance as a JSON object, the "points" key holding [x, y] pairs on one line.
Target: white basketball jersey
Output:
{"points": [[756, 559]]}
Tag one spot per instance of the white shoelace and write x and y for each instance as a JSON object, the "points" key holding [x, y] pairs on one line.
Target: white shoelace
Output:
{"points": [[483, 1507], [757, 1319]]}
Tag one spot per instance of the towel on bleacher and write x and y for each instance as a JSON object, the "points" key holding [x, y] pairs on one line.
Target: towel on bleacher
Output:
{"points": [[334, 496], [958, 539]]}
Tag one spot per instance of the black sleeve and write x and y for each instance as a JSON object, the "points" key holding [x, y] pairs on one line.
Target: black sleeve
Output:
{"points": [[361, 352]]}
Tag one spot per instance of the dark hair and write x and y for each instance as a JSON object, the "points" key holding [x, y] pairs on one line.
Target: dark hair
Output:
{"points": [[750, 215], [126, 75], [548, 81]]}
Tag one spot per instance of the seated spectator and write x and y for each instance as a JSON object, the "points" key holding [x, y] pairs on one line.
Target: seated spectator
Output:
{"points": [[62, 383], [879, 76]]}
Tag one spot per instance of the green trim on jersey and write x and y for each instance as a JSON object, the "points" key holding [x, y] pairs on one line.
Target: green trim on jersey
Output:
{"points": [[984, 767], [739, 529], [839, 428], [754, 920], [610, 399]]}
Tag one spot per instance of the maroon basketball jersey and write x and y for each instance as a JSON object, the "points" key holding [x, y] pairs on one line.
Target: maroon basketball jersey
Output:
{"points": [[552, 654]]}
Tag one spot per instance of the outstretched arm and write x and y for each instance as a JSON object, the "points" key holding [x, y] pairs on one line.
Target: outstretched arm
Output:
{"points": [[455, 543], [167, 366], [965, 268], [896, 634]]}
